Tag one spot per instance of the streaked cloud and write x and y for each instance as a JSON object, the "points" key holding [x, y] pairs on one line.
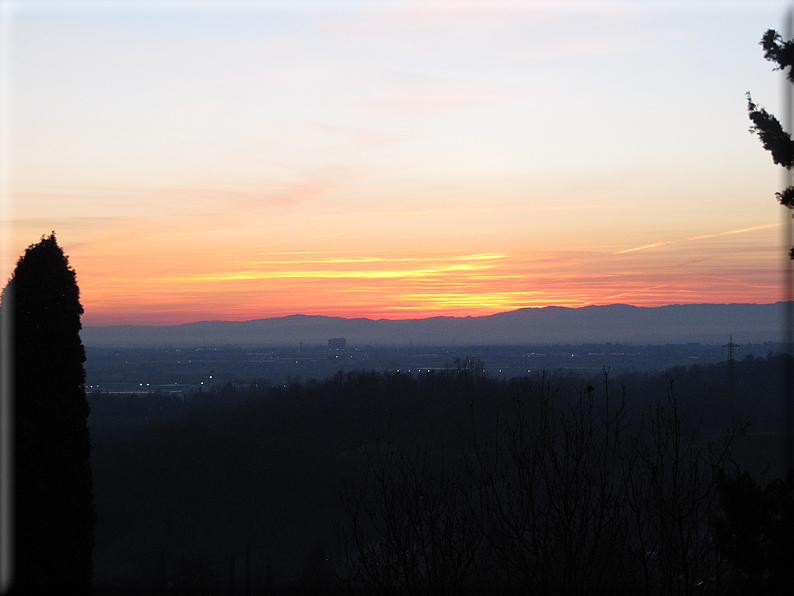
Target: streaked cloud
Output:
{"points": [[741, 231], [703, 237], [427, 102]]}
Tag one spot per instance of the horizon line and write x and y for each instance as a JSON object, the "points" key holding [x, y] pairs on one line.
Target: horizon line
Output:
{"points": [[437, 316]]}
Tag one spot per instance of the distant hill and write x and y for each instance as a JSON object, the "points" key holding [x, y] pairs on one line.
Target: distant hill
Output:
{"points": [[616, 323]]}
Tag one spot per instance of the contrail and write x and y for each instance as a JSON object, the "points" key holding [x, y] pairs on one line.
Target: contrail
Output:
{"points": [[740, 231], [763, 227], [620, 252]]}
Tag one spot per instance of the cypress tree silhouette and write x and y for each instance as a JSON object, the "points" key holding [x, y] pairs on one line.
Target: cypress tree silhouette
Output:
{"points": [[53, 489]]}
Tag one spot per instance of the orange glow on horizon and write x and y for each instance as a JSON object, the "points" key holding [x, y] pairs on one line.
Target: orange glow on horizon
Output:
{"points": [[393, 286]]}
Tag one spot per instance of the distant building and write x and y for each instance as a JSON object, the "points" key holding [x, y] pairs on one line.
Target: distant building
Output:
{"points": [[337, 343]]}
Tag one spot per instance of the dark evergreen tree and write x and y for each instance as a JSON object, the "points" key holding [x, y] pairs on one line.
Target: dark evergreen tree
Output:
{"points": [[53, 489], [755, 532], [773, 137]]}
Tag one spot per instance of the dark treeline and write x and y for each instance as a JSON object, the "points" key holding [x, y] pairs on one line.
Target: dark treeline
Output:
{"points": [[448, 482]]}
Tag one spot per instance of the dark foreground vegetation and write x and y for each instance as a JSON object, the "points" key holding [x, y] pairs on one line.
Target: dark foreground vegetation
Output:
{"points": [[450, 482]]}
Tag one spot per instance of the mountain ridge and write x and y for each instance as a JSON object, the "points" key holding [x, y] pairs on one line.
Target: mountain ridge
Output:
{"points": [[608, 323]]}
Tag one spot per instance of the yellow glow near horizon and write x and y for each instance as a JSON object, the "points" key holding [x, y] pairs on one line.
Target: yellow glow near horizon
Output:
{"points": [[444, 284]]}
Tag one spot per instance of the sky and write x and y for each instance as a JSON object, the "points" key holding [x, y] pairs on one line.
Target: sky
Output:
{"points": [[390, 159]]}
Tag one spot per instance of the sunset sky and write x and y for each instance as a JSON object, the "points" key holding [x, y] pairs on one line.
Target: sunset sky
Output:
{"points": [[390, 159]]}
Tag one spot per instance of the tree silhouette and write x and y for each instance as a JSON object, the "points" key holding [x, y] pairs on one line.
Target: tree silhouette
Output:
{"points": [[53, 488], [769, 130], [755, 532]]}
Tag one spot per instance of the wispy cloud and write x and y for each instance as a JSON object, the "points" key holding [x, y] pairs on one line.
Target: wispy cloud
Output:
{"points": [[371, 259], [362, 136], [740, 231], [703, 237], [272, 269], [408, 101], [620, 252]]}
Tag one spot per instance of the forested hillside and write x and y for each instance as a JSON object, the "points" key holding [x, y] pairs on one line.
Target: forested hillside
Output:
{"points": [[330, 483]]}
